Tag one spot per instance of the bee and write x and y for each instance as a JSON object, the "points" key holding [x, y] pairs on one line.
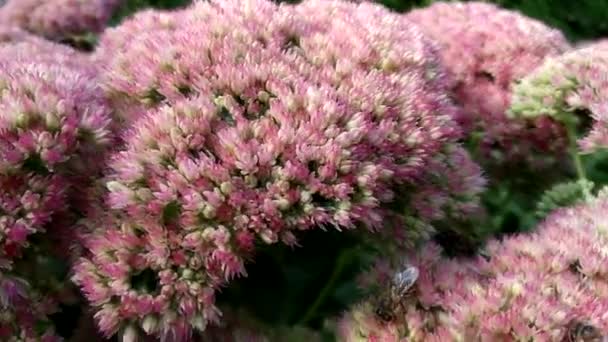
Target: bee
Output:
{"points": [[575, 267], [577, 331], [393, 300]]}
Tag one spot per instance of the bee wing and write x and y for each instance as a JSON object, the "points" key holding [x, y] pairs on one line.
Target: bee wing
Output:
{"points": [[405, 279]]}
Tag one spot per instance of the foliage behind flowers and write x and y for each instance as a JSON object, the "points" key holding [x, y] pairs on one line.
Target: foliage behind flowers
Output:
{"points": [[254, 171]]}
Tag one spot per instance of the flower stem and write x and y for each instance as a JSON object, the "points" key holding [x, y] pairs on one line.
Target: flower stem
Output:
{"points": [[576, 158], [329, 286]]}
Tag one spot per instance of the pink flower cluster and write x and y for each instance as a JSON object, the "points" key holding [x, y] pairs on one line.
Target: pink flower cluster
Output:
{"points": [[35, 49], [485, 49], [115, 39], [22, 313], [16, 43], [257, 122], [53, 123], [530, 287], [451, 188], [57, 19], [570, 88], [54, 128]]}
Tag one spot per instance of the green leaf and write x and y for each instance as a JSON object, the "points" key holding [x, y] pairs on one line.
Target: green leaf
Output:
{"points": [[563, 195]]}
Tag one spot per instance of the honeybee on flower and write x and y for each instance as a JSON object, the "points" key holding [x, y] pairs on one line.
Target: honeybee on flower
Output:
{"points": [[393, 299], [578, 331]]}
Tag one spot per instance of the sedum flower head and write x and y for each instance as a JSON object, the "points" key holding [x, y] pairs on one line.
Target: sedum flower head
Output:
{"points": [[321, 42], [54, 122], [486, 48], [450, 189], [258, 122], [116, 40], [532, 287], [146, 21], [568, 88], [57, 19], [39, 50]]}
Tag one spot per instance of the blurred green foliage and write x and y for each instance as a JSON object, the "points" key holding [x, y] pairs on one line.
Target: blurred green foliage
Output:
{"points": [[579, 20], [562, 195]]}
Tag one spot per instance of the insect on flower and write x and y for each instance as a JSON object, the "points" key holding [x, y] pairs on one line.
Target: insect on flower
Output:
{"points": [[393, 299], [578, 331]]}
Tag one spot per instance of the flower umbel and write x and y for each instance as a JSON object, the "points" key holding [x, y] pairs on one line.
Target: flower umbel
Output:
{"points": [[247, 131], [486, 49]]}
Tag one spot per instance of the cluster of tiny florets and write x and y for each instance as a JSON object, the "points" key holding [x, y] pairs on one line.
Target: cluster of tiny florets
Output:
{"points": [[528, 287], [115, 39], [486, 49], [41, 51], [450, 189], [51, 118], [571, 88], [58, 19], [255, 122], [54, 128]]}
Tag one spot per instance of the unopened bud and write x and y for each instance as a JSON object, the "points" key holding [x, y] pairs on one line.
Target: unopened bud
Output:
{"points": [[130, 334], [516, 289], [169, 317], [263, 96], [114, 186], [226, 188], [199, 323], [305, 196], [150, 324], [282, 204], [209, 212], [268, 236], [144, 194], [187, 273], [251, 180], [51, 120]]}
